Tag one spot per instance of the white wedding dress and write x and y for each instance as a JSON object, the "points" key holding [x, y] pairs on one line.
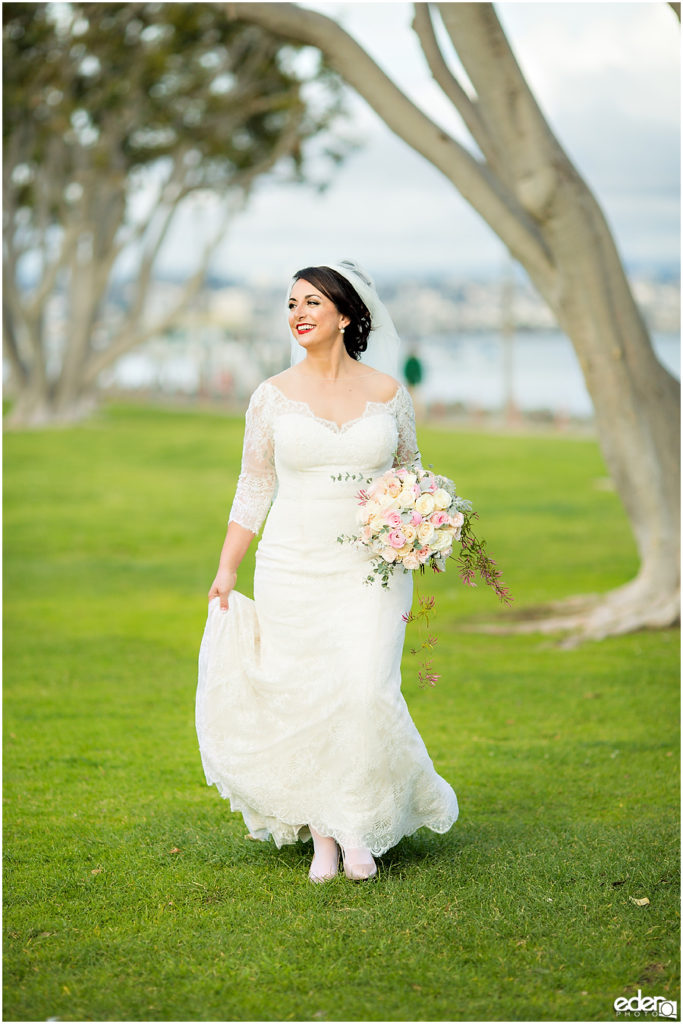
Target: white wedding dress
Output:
{"points": [[299, 712]]}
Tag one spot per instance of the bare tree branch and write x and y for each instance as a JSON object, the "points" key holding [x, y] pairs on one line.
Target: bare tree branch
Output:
{"points": [[134, 233], [506, 102], [127, 341], [449, 84], [11, 346], [24, 326], [148, 259], [51, 269], [133, 333], [496, 204]]}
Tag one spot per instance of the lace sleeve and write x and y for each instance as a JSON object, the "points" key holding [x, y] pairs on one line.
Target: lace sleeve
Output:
{"points": [[257, 479], [407, 450]]}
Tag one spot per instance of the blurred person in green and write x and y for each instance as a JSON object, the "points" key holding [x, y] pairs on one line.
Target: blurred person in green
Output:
{"points": [[413, 373]]}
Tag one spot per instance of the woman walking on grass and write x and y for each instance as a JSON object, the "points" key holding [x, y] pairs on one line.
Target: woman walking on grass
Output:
{"points": [[300, 718]]}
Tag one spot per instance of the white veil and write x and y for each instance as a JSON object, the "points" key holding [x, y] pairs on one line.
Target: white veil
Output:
{"points": [[383, 343]]}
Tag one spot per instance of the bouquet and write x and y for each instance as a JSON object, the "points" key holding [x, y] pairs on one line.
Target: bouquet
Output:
{"points": [[410, 518]]}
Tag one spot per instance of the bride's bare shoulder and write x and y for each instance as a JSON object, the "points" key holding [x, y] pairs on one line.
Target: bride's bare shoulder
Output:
{"points": [[384, 386], [287, 382], [281, 378]]}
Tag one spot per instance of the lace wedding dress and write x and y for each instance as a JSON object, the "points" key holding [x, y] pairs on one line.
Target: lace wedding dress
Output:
{"points": [[299, 712]]}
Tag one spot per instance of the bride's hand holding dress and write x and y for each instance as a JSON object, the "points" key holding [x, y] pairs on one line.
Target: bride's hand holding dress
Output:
{"points": [[236, 544], [223, 584]]}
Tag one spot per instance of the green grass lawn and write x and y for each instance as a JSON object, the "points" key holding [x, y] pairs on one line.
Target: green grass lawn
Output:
{"points": [[130, 890]]}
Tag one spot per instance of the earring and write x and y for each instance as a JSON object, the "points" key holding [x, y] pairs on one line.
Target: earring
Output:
{"points": [[342, 329]]}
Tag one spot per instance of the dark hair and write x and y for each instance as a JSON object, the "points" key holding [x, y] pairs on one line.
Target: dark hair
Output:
{"points": [[347, 300]]}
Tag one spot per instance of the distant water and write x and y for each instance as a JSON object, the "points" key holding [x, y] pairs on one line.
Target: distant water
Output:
{"points": [[468, 369], [545, 372]]}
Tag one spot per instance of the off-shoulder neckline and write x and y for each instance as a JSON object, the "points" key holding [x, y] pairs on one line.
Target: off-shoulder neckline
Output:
{"points": [[339, 427]]}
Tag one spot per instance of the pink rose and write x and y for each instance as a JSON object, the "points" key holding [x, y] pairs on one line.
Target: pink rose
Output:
{"points": [[416, 490], [396, 539], [393, 518], [417, 518], [423, 554], [457, 519], [438, 518]]}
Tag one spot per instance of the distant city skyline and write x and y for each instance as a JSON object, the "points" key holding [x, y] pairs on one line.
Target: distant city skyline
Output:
{"points": [[605, 74], [235, 336]]}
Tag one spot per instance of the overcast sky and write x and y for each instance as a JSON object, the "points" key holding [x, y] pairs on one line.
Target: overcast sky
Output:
{"points": [[605, 74]]}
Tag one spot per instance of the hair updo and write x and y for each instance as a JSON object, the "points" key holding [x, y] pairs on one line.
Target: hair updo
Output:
{"points": [[338, 290]]}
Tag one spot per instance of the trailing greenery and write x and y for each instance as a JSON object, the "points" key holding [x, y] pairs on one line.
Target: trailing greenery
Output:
{"points": [[130, 890]]}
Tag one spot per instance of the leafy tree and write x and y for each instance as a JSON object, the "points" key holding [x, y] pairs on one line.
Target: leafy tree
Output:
{"points": [[114, 115], [520, 180]]}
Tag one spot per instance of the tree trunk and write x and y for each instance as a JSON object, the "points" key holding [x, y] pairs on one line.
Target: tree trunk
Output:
{"points": [[636, 402], [531, 195]]}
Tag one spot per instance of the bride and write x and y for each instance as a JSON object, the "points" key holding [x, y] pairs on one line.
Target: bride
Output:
{"points": [[299, 713]]}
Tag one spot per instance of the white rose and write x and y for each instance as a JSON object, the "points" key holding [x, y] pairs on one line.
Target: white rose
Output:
{"points": [[425, 504], [389, 554], [409, 480], [425, 533], [411, 561], [442, 498], [405, 498], [405, 550], [441, 541], [409, 532]]}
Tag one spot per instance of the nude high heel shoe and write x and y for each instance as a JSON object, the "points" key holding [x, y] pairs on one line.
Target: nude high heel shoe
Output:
{"points": [[325, 863], [361, 869], [326, 876]]}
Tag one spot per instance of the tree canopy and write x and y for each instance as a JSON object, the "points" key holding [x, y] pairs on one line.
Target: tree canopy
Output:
{"points": [[100, 100]]}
